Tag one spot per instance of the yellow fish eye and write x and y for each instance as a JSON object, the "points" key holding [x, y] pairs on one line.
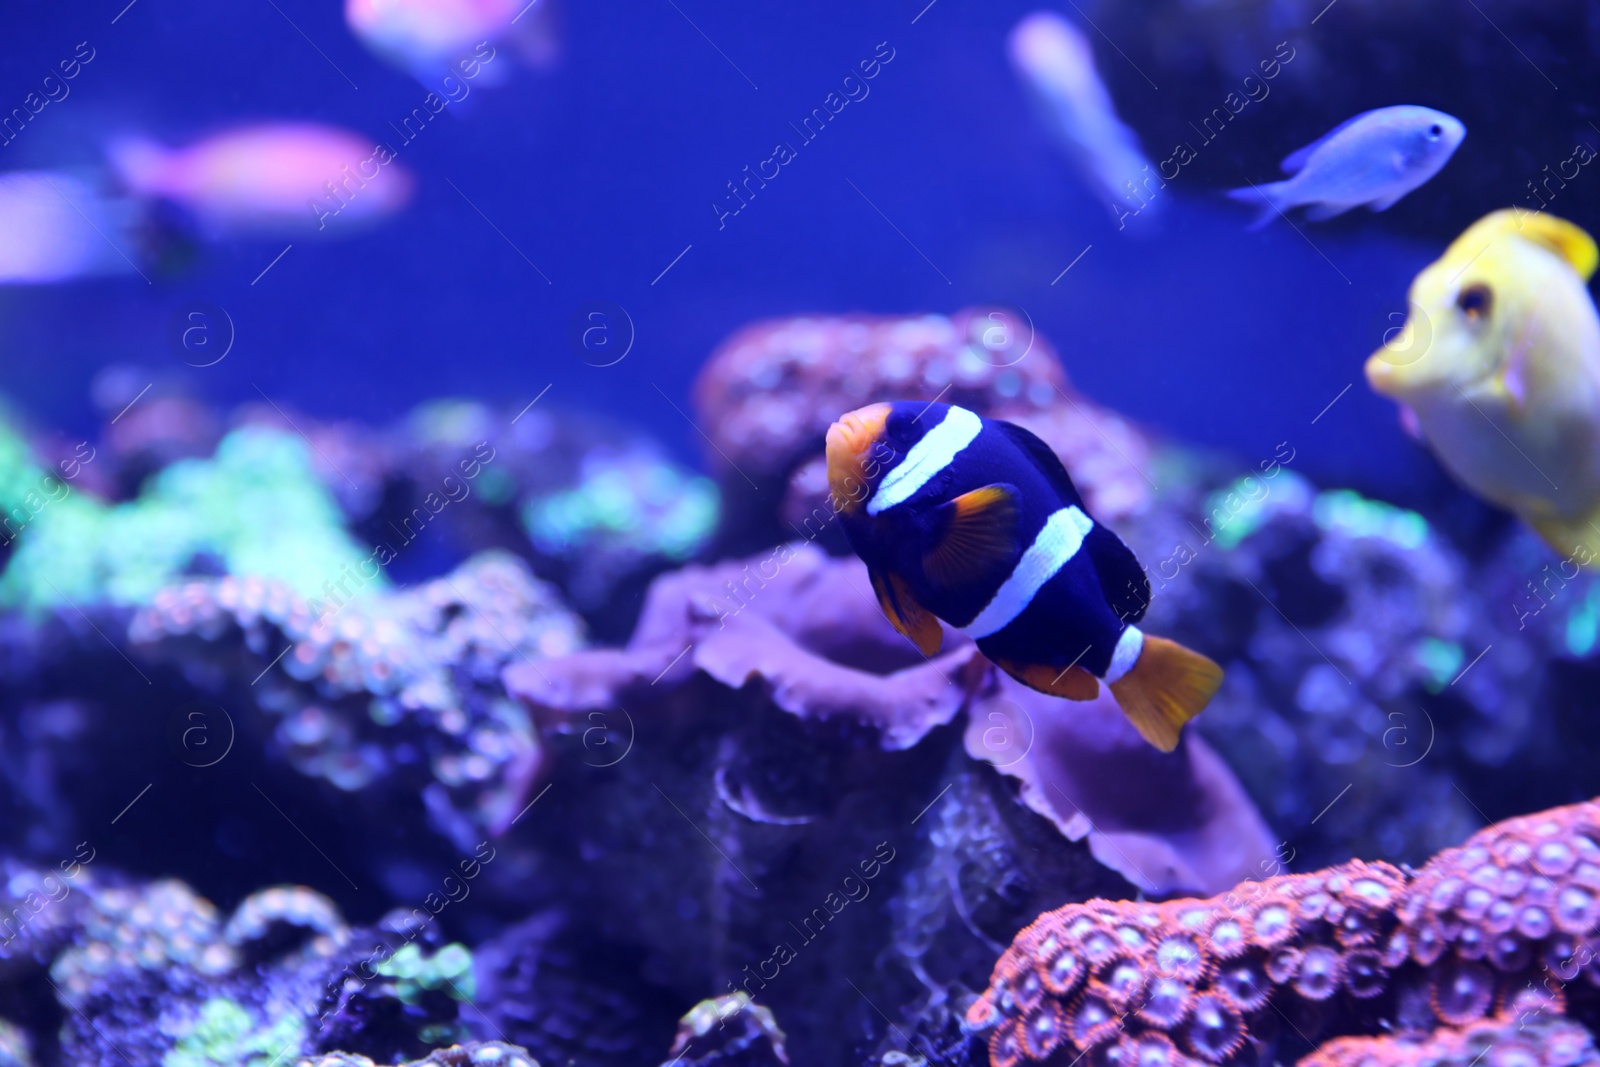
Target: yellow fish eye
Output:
{"points": [[1475, 301]]}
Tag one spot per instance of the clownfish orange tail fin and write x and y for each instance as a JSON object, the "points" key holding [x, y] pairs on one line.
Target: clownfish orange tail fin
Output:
{"points": [[1167, 686]]}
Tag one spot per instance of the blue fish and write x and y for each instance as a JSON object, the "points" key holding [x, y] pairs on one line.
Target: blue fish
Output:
{"points": [[975, 521], [1373, 159]]}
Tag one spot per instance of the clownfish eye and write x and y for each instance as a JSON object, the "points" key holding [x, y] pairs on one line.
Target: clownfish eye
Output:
{"points": [[1475, 301], [1435, 130]]}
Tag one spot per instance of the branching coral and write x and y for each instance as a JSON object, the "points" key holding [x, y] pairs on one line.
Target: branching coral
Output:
{"points": [[350, 680], [1477, 926]]}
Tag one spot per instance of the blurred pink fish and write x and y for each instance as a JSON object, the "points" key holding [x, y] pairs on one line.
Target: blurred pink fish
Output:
{"points": [[431, 38], [275, 177], [57, 227]]}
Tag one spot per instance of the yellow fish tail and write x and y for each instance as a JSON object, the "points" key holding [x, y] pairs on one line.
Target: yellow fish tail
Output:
{"points": [[1168, 686], [1575, 539]]}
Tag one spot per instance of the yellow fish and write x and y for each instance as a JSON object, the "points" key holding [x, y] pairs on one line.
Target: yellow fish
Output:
{"points": [[1499, 366]]}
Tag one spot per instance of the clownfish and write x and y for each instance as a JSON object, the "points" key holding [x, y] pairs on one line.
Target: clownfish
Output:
{"points": [[976, 522]]}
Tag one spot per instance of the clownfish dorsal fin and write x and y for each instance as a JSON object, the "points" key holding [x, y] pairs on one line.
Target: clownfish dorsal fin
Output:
{"points": [[976, 537], [902, 610], [1044, 458], [1074, 683], [1122, 579]]}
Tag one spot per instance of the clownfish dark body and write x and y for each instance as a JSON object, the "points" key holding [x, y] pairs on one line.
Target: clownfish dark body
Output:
{"points": [[977, 522]]}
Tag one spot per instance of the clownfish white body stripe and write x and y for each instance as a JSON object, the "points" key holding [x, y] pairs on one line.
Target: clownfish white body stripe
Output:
{"points": [[976, 522], [1056, 544]]}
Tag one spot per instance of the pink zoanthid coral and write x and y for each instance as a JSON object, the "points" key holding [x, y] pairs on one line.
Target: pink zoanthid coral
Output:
{"points": [[1502, 1041], [1505, 921]]}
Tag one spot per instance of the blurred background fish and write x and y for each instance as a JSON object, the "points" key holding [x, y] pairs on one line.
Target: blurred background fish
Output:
{"points": [[431, 38], [270, 178], [1057, 65], [55, 227], [1499, 364], [1373, 159]]}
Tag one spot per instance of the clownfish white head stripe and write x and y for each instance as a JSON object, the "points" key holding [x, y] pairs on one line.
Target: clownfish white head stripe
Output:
{"points": [[958, 429], [1057, 542]]}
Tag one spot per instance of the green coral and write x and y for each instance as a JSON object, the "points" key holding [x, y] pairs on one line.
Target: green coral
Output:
{"points": [[1583, 625], [1352, 513], [449, 969], [631, 499], [225, 1035], [1238, 510], [256, 507], [1440, 659]]}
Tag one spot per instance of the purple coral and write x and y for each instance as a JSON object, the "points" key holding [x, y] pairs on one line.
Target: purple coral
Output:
{"points": [[382, 671], [795, 621]]}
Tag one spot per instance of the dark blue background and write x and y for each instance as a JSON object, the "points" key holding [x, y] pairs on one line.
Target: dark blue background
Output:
{"points": [[604, 168]]}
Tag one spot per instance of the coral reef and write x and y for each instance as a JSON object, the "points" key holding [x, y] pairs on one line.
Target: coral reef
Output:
{"points": [[1503, 919], [1549, 1041], [729, 1030], [251, 509], [1087, 770], [473, 1054], [155, 976], [768, 394], [597, 507], [802, 627], [1362, 664], [362, 680]]}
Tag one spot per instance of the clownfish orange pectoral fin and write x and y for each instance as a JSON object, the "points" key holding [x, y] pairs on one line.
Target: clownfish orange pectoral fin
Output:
{"points": [[908, 616], [1167, 686], [977, 539], [1074, 683]]}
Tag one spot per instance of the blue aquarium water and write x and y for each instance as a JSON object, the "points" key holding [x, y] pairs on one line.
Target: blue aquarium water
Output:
{"points": [[919, 534]]}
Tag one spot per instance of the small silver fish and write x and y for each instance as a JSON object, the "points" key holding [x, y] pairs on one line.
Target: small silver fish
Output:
{"points": [[1373, 159]]}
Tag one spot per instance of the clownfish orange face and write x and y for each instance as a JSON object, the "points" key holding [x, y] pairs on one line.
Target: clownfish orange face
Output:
{"points": [[851, 443]]}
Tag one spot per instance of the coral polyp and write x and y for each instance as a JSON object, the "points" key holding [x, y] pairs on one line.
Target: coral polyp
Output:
{"points": [[1472, 927]]}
